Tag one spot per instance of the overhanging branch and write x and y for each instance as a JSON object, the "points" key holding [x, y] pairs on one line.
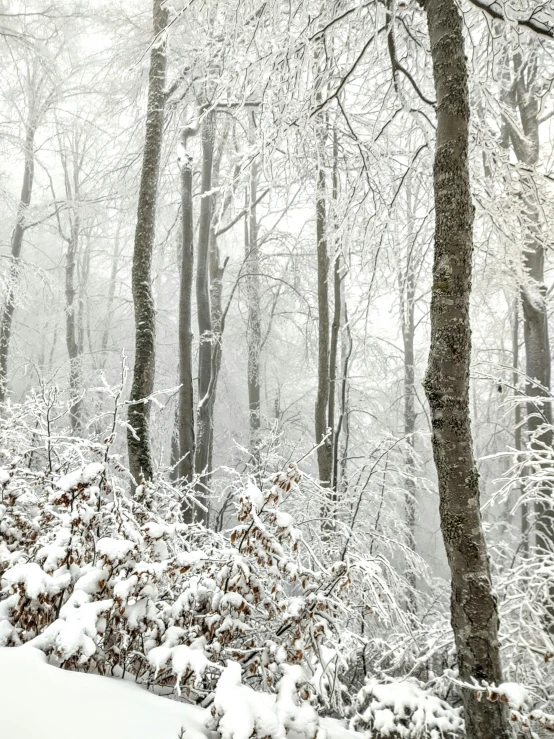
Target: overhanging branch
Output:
{"points": [[496, 10]]}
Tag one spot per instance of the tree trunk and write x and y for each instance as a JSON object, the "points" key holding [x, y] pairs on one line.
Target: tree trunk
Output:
{"points": [[474, 613], [343, 425], [71, 330], [521, 95], [16, 246], [204, 411], [138, 436], [254, 325], [335, 326], [408, 335], [110, 298], [185, 466], [517, 420], [324, 451]]}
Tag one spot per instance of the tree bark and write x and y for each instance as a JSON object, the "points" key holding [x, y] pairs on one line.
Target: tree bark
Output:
{"points": [[324, 451], [71, 331], [204, 410], [138, 436], [408, 335], [474, 614], [335, 326], [254, 325], [185, 466], [517, 420], [16, 245]]}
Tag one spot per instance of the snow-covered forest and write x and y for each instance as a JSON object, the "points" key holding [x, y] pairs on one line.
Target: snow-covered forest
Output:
{"points": [[276, 428]]}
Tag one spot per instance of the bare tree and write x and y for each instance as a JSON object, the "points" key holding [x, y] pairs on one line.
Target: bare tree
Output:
{"points": [[37, 104], [203, 304], [324, 451], [254, 324], [474, 613], [185, 466], [16, 246], [521, 78], [138, 435]]}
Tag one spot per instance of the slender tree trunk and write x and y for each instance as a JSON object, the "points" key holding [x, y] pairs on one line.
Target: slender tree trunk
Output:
{"points": [[335, 326], [216, 296], [535, 328], [254, 325], [138, 436], [110, 298], [204, 411], [6, 321], [185, 467], [474, 612], [517, 419], [217, 271], [343, 425], [71, 327], [324, 451], [521, 95], [408, 335]]}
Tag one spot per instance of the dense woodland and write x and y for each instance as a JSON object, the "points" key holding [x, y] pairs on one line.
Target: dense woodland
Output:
{"points": [[276, 433]]}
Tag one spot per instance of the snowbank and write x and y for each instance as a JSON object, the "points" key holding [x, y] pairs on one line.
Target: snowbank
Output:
{"points": [[39, 701]]}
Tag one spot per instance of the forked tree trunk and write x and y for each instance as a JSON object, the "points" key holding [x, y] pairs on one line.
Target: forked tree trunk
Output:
{"points": [[474, 612], [16, 245], [138, 436], [185, 466]]}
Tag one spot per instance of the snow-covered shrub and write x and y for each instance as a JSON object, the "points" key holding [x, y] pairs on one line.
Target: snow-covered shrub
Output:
{"points": [[403, 709], [109, 583], [239, 712]]}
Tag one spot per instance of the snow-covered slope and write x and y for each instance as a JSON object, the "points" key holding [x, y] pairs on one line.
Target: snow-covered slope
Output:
{"points": [[39, 701]]}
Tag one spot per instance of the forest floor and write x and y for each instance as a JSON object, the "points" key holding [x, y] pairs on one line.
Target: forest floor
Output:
{"points": [[41, 701]]}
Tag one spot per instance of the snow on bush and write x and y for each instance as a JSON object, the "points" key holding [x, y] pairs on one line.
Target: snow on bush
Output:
{"points": [[118, 585], [405, 710]]}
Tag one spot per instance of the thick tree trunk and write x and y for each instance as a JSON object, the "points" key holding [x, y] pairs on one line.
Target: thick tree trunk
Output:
{"points": [[204, 411], [254, 325], [473, 605], [16, 245], [185, 467], [138, 437]]}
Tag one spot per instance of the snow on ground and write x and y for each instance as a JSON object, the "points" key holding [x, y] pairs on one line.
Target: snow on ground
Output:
{"points": [[39, 701]]}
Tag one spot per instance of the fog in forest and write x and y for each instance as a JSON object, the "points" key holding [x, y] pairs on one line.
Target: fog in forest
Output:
{"points": [[276, 433]]}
